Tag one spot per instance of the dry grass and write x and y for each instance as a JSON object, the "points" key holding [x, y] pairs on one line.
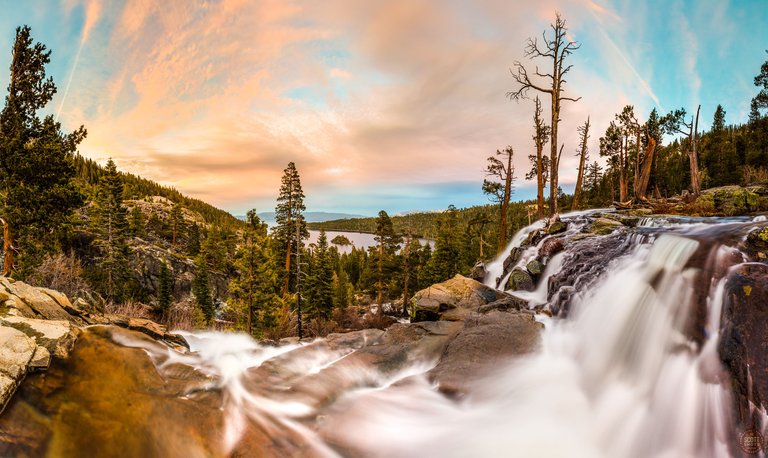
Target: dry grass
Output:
{"points": [[130, 309], [183, 315], [62, 273], [755, 175]]}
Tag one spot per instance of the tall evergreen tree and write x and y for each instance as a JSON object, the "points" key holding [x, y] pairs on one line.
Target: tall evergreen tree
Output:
{"points": [[444, 262], [291, 228], [254, 289], [111, 226], [36, 159], [202, 291], [177, 222], [193, 240], [388, 242], [165, 295], [320, 281]]}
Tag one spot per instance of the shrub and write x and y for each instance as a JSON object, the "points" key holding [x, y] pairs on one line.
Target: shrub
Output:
{"points": [[62, 273]]}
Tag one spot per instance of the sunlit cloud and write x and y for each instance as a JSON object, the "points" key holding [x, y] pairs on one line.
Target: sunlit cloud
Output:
{"points": [[381, 104]]}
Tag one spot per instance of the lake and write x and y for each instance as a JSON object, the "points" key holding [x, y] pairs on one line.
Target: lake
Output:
{"points": [[358, 239]]}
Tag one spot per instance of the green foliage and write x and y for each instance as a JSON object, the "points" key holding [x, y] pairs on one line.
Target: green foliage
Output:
{"points": [[341, 240], [177, 222], [137, 188], [319, 289], [202, 292], [445, 261], [110, 224], [291, 228], [193, 240], [254, 290], [165, 296], [38, 194]]}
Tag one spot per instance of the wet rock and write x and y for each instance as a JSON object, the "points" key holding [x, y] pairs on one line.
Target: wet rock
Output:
{"points": [[743, 346], [505, 304], [551, 247], [451, 300], [511, 260], [148, 327], [623, 217], [57, 336], [520, 280], [603, 226], [535, 268], [478, 272], [557, 227], [534, 237], [583, 263], [756, 244], [484, 341]]}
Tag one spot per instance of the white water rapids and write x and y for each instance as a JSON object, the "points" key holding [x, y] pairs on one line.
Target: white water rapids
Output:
{"points": [[615, 379]]}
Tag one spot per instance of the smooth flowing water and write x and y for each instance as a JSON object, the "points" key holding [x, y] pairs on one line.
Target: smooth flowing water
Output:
{"points": [[619, 376]]}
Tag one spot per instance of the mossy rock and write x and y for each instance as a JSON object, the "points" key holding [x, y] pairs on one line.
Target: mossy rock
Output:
{"points": [[604, 226], [535, 268], [520, 280], [557, 227]]}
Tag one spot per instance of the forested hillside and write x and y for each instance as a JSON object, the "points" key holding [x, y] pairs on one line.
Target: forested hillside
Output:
{"points": [[89, 172]]}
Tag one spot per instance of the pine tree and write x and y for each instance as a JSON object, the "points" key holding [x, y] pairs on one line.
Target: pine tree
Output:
{"points": [[202, 291], [444, 262], [193, 240], [36, 160], [291, 229], [254, 290], [165, 295], [137, 222], [111, 226], [320, 281], [501, 190], [388, 242], [177, 222]]}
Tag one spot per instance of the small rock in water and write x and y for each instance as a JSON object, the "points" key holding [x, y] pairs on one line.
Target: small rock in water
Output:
{"points": [[535, 268], [551, 247], [557, 227], [520, 280], [478, 272]]}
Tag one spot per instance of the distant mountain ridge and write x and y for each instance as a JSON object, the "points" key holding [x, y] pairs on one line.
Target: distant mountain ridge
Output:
{"points": [[310, 217]]}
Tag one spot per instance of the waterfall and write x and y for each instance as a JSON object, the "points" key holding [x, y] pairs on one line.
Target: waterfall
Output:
{"points": [[618, 375]]}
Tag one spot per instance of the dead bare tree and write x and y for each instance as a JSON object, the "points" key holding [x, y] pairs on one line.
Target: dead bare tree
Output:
{"points": [[541, 133], [583, 156], [672, 122], [557, 48]]}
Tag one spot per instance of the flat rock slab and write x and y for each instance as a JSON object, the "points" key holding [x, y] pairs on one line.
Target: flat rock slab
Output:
{"points": [[484, 341], [16, 350], [57, 336]]}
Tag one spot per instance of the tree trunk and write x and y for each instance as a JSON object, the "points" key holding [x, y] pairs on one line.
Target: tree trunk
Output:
{"points": [[635, 187], [505, 204], [539, 178], [693, 155], [8, 249], [582, 159], [379, 283], [645, 172], [553, 154], [623, 187]]}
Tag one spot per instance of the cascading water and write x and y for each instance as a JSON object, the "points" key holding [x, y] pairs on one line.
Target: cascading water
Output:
{"points": [[626, 369]]}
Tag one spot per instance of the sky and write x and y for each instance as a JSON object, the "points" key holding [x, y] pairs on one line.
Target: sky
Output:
{"points": [[382, 104]]}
